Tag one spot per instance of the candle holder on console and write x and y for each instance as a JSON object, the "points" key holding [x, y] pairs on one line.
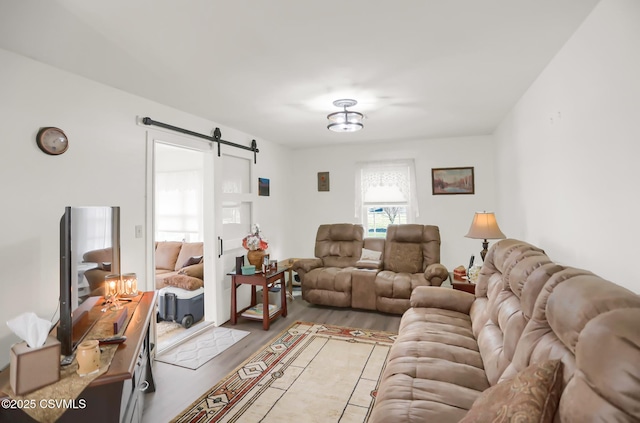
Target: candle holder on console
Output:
{"points": [[112, 287], [129, 285]]}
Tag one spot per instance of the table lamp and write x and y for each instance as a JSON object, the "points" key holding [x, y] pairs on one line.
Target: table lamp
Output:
{"points": [[484, 226]]}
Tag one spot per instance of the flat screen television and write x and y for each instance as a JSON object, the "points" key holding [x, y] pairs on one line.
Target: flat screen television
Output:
{"points": [[84, 230]]}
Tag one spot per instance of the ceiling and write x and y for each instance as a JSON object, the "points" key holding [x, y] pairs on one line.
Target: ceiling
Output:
{"points": [[419, 69]]}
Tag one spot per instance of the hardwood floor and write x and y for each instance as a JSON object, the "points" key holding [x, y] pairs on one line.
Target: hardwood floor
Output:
{"points": [[177, 387]]}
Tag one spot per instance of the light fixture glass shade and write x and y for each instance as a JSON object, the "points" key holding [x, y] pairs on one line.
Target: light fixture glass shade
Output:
{"points": [[346, 120], [345, 116], [485, 226], [345, 127]]}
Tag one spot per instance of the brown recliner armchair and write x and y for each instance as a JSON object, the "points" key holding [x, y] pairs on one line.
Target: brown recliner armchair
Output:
{"points": [[326, 279], [411, 259]]}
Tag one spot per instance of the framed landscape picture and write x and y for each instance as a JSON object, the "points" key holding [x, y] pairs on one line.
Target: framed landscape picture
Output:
{"points": [[452, 180]]}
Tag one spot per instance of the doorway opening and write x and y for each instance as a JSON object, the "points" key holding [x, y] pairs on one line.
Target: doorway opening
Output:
{"points": [[180, 240]]}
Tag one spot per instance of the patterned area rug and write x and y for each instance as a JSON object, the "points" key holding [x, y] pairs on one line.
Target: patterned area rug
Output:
{"points": [[196, 351], [309, 373]]}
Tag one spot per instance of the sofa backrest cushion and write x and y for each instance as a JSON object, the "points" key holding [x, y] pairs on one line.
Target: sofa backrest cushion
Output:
{"points": [[411, 248], [529, 310], [498, 315], [375, 244], [339, 244], [188, 250], [606, 382], [167, 254], [404, 257], [592, 326]]}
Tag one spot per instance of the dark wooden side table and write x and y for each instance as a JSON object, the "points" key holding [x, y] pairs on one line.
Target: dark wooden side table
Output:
{"points": [[267, 281]]}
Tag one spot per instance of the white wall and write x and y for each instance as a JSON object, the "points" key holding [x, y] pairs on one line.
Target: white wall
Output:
{"points": [[452, 213], [105, 165], [567, 171]]}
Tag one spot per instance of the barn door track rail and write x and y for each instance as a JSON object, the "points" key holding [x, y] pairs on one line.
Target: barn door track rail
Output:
{"points": [[217, 136]]}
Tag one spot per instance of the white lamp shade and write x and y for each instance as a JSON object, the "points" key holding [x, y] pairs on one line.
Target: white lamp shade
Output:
{"points": [[485, 226]]}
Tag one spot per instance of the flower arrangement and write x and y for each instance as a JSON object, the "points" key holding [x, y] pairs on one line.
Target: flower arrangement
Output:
{"points": [[255, 241]]}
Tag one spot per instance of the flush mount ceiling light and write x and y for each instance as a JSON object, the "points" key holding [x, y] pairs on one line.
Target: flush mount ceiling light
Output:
{"points": [[345, 121]]}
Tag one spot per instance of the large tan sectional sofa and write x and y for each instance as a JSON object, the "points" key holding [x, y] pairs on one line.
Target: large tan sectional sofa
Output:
{"points": [[528, 315], [371, 273]]}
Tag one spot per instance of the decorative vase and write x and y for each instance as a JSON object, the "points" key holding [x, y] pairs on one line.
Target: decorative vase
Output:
{"points": [[255, 257], [88, 356]]}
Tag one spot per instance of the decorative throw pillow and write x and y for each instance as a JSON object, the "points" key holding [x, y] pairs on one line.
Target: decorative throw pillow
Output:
{"points": [[195, 270], [370, 254], [404, 257], [531, 396], [192, 260], [184, 281]]}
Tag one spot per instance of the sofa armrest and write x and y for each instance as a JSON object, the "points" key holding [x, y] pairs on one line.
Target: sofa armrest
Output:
{"points": [[436, 273], [306, 265], [439, 297]]}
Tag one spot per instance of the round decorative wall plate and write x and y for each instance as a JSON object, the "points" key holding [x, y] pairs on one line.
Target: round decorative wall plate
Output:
{"points": [[52, 140]]}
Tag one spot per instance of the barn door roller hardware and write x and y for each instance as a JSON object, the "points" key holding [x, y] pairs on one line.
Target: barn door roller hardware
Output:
{"points": [[217, 136]]}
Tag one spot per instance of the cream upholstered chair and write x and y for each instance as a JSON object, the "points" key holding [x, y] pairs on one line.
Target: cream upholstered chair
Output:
{"points": [[326, 279], [411, 258]]}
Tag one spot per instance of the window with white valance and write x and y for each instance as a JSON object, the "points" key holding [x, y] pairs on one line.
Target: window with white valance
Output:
{"points": [[385, 194]]}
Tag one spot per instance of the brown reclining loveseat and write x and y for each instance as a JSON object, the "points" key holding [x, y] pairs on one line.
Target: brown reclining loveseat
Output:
{"points": [[371, 273]]}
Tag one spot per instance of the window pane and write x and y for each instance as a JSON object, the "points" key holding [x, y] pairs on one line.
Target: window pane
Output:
{"points": [[378, 218], [386, 184], [236, 173]]}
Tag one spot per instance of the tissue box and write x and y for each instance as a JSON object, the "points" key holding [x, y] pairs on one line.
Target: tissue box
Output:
{"points": [[460, 273], [248, 270], [33, 368]]}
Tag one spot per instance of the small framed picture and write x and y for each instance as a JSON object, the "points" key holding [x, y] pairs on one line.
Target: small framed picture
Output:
{"points": [[323, 181], [263, 187], [452, 180], [265, 263]]}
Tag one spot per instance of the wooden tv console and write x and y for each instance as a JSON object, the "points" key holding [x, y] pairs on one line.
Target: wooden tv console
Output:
{"points": [[117, 395]]}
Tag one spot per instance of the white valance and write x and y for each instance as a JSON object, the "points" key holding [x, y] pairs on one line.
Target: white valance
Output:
{"points": [[386, 182]]}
